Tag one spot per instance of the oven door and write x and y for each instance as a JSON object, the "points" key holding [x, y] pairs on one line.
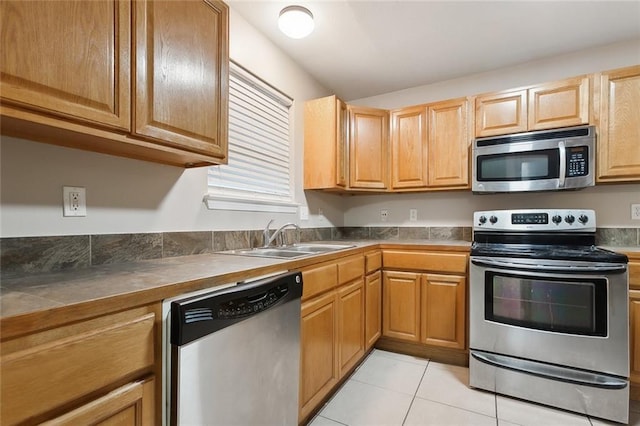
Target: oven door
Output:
{"points": [[565, 313]]}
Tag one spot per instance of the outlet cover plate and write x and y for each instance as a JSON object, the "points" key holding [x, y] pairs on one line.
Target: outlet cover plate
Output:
{"points": [[74, 201], [635, 211]]}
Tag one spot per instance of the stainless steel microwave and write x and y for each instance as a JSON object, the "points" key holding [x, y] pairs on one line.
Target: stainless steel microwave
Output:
{"points": [[548, 160]]}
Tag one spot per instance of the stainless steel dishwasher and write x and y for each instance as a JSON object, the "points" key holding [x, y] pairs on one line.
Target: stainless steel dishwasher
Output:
{"points": [[232, 355]]}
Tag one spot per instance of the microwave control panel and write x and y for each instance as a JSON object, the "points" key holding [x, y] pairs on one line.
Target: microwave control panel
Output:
{"points": [[577, 161]]}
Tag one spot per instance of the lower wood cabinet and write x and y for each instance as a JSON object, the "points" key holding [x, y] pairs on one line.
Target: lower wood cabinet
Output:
{"points": [[443, 310], [634, 324], [332, 328], [131, 404], [319, 370], [425, 301], [84, 372], [373, 308], [401, 305], [350, 325]]}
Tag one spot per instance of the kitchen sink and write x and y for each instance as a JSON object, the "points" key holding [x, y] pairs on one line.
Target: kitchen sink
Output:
{"points": [[292, 251]]}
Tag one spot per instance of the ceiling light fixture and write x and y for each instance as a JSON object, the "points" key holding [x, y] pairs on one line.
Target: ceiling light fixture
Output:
{"points": [[296, 21]]}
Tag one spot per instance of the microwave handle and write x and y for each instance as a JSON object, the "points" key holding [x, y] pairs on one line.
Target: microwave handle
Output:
{"points": [[563, 163]]}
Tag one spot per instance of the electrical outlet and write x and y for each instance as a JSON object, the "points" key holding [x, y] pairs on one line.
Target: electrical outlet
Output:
{"points": [[74, 201], [635, 211], [304, 213], [413, 215], [384, 215]]}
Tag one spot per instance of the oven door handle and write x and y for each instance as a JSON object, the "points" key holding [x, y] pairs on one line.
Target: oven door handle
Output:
{"points": [[611, 268], [552, 372]]}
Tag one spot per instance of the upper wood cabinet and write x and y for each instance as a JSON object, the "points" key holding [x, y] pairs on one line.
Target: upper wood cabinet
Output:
{"points": [[501, 113], [68, 59], [448, 144], [368, 148], [545, 106], [409, 160], [181, 61], [618, 120], [325, 143], [144, 79], [430, 146]]}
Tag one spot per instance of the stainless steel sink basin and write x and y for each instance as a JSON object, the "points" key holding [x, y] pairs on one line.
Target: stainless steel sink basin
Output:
{"points": [[286, 252]]}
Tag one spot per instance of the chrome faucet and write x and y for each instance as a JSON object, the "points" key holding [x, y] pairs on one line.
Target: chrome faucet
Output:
{"points": [[276, 235]]}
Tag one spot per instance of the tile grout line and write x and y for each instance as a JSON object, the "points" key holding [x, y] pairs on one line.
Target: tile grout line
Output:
{"points": [[404, 420]]}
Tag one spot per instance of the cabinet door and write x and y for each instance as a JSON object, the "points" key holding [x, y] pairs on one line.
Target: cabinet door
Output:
{"points": [[634, 336], [182, 69], [559, 104], [131, 404], [350, 325], [619, 128], [401, 305], [65, 364], [325, 143], [68, 59], [449, 144], [373, 308], [501, 113], [409, 148], [368, 148], [443, 310], [318, 351]]}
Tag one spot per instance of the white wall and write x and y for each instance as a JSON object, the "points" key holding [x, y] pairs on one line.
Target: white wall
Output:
{"points": [[126, 195], [612, 203]]}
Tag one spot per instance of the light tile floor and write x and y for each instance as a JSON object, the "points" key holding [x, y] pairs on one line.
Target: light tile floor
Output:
{"points": [[394, 389]]}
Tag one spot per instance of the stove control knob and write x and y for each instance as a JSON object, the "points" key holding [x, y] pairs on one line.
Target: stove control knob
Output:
{"points": [[493, 219], [483, 220], [570, 219], [583, 219], [556, 219]]}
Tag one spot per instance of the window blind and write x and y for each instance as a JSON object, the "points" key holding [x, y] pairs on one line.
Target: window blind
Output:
{"points": [[259, 156]]}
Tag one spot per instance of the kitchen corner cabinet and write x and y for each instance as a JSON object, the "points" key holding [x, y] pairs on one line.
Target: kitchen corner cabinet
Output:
{"points": [[325, 143], [546, 106], [147, 79], [98, 370], [424, 297], [332, 328], [618, 121], [368, 148], [373, 298]]}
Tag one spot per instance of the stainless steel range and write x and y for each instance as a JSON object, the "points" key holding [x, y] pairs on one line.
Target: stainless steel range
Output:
{"points": [[548, 316]]}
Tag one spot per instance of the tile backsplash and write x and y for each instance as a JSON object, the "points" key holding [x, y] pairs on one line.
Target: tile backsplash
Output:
{"points": [[31, 255]]}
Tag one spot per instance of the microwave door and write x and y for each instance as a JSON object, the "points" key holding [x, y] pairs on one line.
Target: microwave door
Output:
{"points": [[515, 167]]}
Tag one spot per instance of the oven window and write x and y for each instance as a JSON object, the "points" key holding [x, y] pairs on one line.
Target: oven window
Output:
{"points": [[519, 166], [562, 305]]}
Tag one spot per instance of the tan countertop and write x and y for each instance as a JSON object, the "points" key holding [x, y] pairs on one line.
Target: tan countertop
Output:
{"points": [[41, 301]]}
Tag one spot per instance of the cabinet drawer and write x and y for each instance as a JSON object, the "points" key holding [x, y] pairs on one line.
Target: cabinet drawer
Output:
{"points": [[350, 269], [373, 262], [319, 280], [425, 261], [59, 371]]}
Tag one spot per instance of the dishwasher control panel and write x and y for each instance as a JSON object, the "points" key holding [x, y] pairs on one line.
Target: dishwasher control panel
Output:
{"points": [[244, 306], [194, 317]]}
